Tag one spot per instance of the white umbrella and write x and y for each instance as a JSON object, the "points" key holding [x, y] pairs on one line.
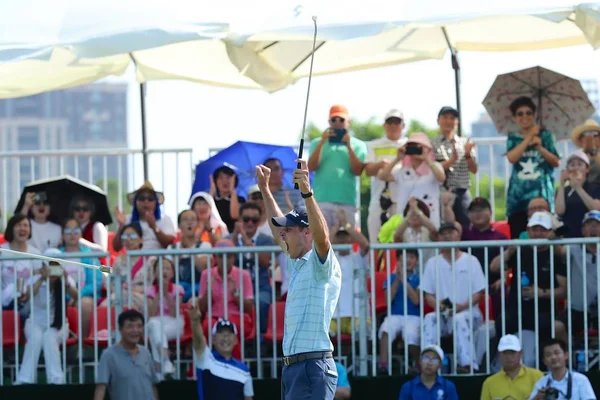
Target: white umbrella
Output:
{"points": [[48, 45], [385, 33]]}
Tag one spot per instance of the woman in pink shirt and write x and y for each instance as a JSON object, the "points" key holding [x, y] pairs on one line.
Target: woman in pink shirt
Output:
{"points": [[163, 299]]}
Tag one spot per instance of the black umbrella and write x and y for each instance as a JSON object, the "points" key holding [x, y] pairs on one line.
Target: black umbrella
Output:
{"points": [[61, 190]]}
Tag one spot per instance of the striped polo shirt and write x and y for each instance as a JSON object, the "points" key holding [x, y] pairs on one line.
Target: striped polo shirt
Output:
{"points": [[313, 293], [219, 378]]}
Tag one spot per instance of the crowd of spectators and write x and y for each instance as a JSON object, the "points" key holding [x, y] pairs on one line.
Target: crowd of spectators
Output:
{"points": [[420, 191]]}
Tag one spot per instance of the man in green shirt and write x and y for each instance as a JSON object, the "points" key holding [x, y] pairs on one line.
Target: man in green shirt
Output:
{"points": [[337, 159]]}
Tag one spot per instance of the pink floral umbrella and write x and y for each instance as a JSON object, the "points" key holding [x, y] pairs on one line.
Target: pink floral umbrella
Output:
{"points": [[562, 103]]}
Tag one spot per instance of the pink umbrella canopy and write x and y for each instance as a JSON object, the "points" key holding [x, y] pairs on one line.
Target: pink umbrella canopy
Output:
{"points": [[562, 103]]}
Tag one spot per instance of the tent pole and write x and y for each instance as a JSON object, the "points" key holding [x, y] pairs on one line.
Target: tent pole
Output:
{"points": [[456, 68], [144, 131]]}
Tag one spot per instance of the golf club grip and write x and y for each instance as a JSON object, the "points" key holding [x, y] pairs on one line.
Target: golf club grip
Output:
{"points": [[300, 151]]}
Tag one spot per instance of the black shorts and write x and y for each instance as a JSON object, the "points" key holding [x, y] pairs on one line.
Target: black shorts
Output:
{"points": [[577, 323]]}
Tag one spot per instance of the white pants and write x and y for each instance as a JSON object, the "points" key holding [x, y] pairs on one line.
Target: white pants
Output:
{"points": [[329, 209], [38, 339], [465, 350], [409, 326], [481, 339], [374, 219], [160, 335]]}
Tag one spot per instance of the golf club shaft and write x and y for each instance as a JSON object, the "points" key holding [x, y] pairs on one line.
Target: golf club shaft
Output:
{"points": [[102, 268], [312, 59]]}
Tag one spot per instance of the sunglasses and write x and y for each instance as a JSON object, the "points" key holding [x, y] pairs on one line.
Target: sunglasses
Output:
{"points": [[248, 219], [256, 196], [393, 120], [593, 133], [41, 203], [81, 209], [433, 360], [521, 113], [69, 231], [146, 198], [131, 236], [338, 119]]}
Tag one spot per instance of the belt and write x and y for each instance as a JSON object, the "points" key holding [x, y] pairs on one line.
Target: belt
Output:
{"points": [[291, 360]]}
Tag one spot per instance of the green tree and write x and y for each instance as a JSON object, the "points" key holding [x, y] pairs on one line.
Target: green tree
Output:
{"points": [[365, 131], [113, 195], [418, 126]]}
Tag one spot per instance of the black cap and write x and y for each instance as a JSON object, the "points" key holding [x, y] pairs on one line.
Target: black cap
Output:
{"points": [[414, 252], [297, 217], [479, 202], [448, 110], [447, 225], [223, 323]]}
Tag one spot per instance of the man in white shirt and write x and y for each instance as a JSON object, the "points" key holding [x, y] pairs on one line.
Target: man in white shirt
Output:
{"points": [[561, 383], [454, 283], [381, 152]]}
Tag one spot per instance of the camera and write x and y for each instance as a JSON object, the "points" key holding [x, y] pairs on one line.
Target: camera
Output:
{"points": [[413, 149], [40, 198], [552, 393], [338, 134], [55, 268]]}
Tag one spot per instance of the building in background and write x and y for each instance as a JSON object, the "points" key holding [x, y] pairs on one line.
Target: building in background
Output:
{"points": [[82, 118], [591, 88]]}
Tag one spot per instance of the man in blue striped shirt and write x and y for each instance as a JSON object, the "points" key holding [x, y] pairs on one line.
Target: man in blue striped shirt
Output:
{"points": [[309, 370]]}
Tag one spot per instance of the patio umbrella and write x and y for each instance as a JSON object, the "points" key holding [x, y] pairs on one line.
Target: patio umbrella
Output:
{"points": [[61, 189], [243, 157], [385, 33], [562, 103]]}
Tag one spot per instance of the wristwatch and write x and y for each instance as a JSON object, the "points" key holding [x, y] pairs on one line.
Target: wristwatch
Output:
{"points": [[306, 195]]}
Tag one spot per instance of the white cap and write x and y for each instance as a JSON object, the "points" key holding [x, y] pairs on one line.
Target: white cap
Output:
{"points": [[436, 349], [394, 113], [253, 189], [53, 253], [509, 343], [540, 218], [581, 155]]}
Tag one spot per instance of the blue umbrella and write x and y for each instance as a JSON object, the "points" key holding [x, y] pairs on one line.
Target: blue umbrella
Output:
{"points": [[243, 157]]}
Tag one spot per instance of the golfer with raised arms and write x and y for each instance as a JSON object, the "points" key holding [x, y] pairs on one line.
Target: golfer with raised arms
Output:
{"points": [[309, 371]]}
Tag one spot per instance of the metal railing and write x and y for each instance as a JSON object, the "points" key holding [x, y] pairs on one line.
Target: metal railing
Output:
{"points": [[106, 167], [263, 352]]}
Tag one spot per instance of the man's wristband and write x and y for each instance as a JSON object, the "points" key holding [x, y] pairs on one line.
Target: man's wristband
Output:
{"points": [[306, 195]]}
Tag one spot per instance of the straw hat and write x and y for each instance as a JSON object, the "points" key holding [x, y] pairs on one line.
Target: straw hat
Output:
{"points": [[146, 187], [589, 126]]}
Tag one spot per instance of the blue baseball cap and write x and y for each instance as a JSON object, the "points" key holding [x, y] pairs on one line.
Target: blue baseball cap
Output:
{"points": [[591, 215], [222, 324], [297, 217]]}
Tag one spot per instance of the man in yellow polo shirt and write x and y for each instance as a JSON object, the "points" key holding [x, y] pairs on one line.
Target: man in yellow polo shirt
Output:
{"points": [[515, 381]]}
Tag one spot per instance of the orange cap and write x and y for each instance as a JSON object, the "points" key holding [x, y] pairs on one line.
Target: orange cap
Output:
{"points": [[338, 110]]}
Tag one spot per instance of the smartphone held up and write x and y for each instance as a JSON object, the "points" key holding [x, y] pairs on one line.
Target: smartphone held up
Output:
{"points": [[336, 137], [413, 149]]}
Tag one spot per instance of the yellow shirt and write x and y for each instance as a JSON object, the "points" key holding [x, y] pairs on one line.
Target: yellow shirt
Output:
{"points": [[501, 386]]}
